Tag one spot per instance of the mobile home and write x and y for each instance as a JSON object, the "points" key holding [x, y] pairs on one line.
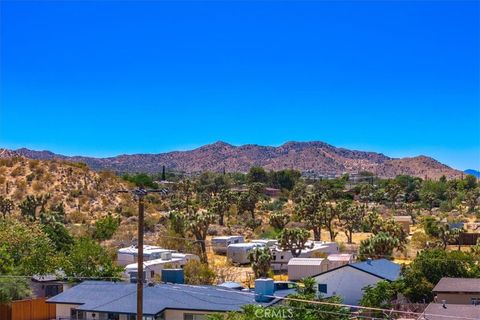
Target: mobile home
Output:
{"points": [[238, 253], [280, 257], [220, 244]]}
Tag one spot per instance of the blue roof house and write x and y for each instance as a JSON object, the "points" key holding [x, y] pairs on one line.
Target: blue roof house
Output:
{"points": [[348, 281], [117, 301]]}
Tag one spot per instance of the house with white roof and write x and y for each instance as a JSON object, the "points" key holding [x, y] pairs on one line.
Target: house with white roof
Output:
{"points": [[128, 255]]}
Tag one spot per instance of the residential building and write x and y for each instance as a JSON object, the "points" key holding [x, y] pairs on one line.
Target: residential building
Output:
{"points": [[439, 311], [458, 291], [349, 280], [117, 301]]}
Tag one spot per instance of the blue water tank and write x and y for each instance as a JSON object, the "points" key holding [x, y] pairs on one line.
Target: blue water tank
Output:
{"points": [[264, 289], [173, 276]]}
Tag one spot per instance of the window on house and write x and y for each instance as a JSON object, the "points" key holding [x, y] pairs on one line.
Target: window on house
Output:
{"points": [[475, 301], [152, 274], [322, 287], [274, 257], [281, 257], [77, 315], [113, 316], [193, 316]]}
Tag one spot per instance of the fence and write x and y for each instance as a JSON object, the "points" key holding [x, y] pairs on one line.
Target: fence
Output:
{"points": [[32, 309]]}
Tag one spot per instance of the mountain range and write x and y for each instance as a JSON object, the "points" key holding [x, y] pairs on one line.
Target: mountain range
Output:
{"points": [[308, 157]]}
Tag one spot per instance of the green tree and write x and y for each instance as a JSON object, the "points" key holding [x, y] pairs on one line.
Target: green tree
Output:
{"points": [[88, 259], [106, 227], [28, 246], [294, 240], [260, 259], [379, 295], [257, 174], [426, 270], [141, 180], [13, 289]]}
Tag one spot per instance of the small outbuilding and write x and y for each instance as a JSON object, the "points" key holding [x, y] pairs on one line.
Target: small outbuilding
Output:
{"points": [[299, 268], [404, 221], [336, 260]]}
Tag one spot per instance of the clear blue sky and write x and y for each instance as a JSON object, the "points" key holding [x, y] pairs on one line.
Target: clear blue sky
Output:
{"points": [[105, 78]]}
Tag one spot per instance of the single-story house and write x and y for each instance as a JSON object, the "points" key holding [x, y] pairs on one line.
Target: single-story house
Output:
{"points": [[458, 291], [439, 311], [117, 301], [349, 280], [299, 268]]}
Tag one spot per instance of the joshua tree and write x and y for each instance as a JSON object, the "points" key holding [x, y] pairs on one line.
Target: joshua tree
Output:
{"points": [[197, 223], [294, 240], [279, 219], [31, 204], [260, 259], [311, 209], [6, 206], [350, 217]]}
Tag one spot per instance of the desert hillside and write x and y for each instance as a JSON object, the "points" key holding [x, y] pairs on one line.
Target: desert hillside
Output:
{"points": [[312, 157]]}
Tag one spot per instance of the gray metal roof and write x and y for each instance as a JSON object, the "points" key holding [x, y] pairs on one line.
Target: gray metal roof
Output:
{"points": [[436, 311], [102, 296], [382, 268], [457, 285]]}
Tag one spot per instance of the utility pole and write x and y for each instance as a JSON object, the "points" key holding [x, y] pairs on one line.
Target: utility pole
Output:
{"points": [[140, 194]]}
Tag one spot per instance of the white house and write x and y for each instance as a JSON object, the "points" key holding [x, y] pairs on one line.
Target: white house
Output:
{"points": [[280, 257], [349, 280]]}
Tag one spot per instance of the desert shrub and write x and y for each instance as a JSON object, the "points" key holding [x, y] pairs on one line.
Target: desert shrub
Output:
{"points": [[37, 186], [197, 273], [18, 171]]}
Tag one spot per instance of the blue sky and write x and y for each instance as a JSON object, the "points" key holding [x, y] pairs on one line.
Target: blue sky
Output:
{"points": [[105, 78]]}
